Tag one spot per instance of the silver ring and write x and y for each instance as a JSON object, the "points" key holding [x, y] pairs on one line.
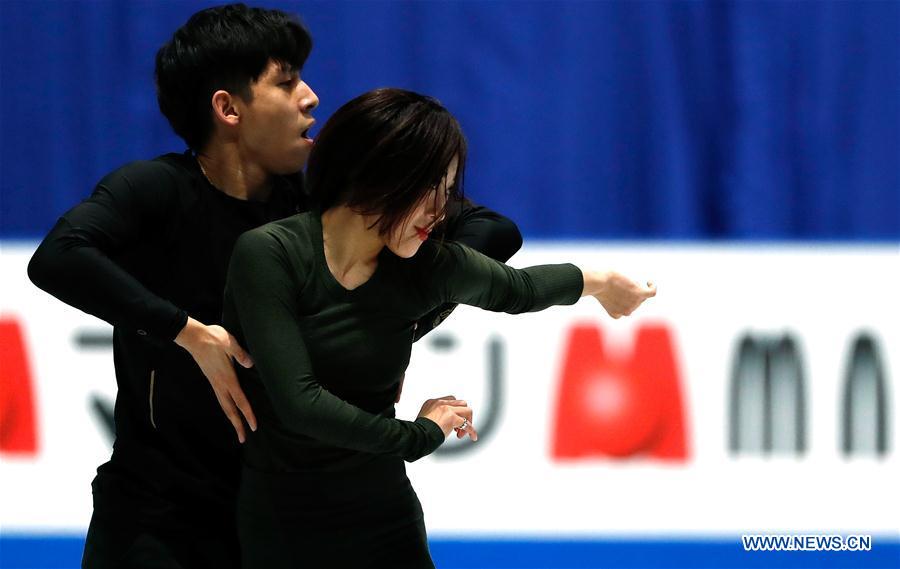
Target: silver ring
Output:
{"points": [[464, 425]]}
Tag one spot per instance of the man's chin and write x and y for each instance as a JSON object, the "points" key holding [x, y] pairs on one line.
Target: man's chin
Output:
{"points": [[294, 162], [291, 167]]}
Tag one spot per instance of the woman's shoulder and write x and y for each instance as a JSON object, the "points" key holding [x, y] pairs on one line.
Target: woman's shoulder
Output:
{"points": [[437, 253], [292, 236], [297, 229], [283, 247], [434, 260]]}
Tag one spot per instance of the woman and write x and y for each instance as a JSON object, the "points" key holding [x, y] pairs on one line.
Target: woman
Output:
{"points": [[325, 303]]}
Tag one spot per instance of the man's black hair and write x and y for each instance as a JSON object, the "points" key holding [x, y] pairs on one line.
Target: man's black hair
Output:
{"points": [[224, 47]]}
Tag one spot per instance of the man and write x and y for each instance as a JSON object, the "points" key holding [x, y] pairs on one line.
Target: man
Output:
{"points": [[148, 252]]}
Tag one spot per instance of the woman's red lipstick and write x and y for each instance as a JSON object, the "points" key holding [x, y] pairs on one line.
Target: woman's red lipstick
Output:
{"points": [[423, 234]]}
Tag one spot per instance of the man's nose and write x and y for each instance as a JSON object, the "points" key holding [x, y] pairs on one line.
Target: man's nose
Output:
{"points": [[310, 100]]}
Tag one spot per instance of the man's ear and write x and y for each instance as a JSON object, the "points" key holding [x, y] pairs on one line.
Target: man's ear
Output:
{"points": [[225, 111]]}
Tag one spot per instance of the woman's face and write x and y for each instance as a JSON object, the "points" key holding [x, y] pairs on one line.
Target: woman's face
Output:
{"points": [[409, 235]]}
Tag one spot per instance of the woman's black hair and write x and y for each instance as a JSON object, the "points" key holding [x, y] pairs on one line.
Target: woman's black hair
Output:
{"points": [[224, 47], [383, 152]]}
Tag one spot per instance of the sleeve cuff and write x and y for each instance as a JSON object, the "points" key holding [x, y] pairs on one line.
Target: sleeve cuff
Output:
{"points": [[433, 433], [561, 284], [178, 323]]}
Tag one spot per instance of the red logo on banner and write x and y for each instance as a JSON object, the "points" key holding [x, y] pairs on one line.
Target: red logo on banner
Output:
{"points": [[18, 427], [615, 405]]}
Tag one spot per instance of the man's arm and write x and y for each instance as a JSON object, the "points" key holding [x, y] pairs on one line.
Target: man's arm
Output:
{"points": [[481, 229], [76, 264]]}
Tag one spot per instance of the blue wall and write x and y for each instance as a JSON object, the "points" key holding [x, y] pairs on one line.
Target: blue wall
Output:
{"points": [[638, 120]]}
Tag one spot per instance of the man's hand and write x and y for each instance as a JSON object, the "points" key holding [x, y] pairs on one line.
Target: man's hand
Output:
{"points": [[212, 347], [619, 295], [400, 389]]}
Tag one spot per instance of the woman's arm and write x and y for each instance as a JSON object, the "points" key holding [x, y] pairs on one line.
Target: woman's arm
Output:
{"points": [[261, 297], [481, 229], [462, 275]]}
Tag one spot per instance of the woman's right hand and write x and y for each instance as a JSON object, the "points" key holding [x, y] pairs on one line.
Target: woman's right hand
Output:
{"points": [[450, 414], [618, 294]]}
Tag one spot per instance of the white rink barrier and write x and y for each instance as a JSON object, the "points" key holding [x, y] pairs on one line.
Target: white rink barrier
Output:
{"points": [[757, 393]]}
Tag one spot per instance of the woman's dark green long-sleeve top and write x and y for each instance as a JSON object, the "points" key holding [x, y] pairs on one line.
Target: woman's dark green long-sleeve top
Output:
{"points": [[329, 361]]}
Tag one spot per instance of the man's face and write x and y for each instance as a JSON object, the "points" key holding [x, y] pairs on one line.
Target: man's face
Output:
{"points": [[275, 123], [406, 239]]}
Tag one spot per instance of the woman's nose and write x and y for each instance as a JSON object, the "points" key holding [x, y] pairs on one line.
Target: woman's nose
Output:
{"points": [[436, 214]]}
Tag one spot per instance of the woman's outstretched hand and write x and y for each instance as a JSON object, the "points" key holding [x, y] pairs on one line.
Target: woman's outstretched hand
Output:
{"points": [[450, 414], [618, 294]]}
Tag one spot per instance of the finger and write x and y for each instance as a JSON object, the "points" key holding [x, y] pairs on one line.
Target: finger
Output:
{"points": [[463, 422], [400, 390], [231, 412], [651, 290], [455, 403], [238, 353], [446, 398], [232, 392], [463, 414], [460, 416], [469, 430], [243, 404]]}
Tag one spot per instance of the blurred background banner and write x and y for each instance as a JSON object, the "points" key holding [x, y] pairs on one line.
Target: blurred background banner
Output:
{"points": [[744, 155], [634, 120], [740, 400]]}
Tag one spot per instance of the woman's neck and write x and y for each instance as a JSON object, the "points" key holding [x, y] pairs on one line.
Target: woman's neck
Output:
{"points": [[351, 245]]}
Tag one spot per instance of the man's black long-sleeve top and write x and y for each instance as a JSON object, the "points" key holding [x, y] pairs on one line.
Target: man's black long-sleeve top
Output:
{"points": [[147, 249]]}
